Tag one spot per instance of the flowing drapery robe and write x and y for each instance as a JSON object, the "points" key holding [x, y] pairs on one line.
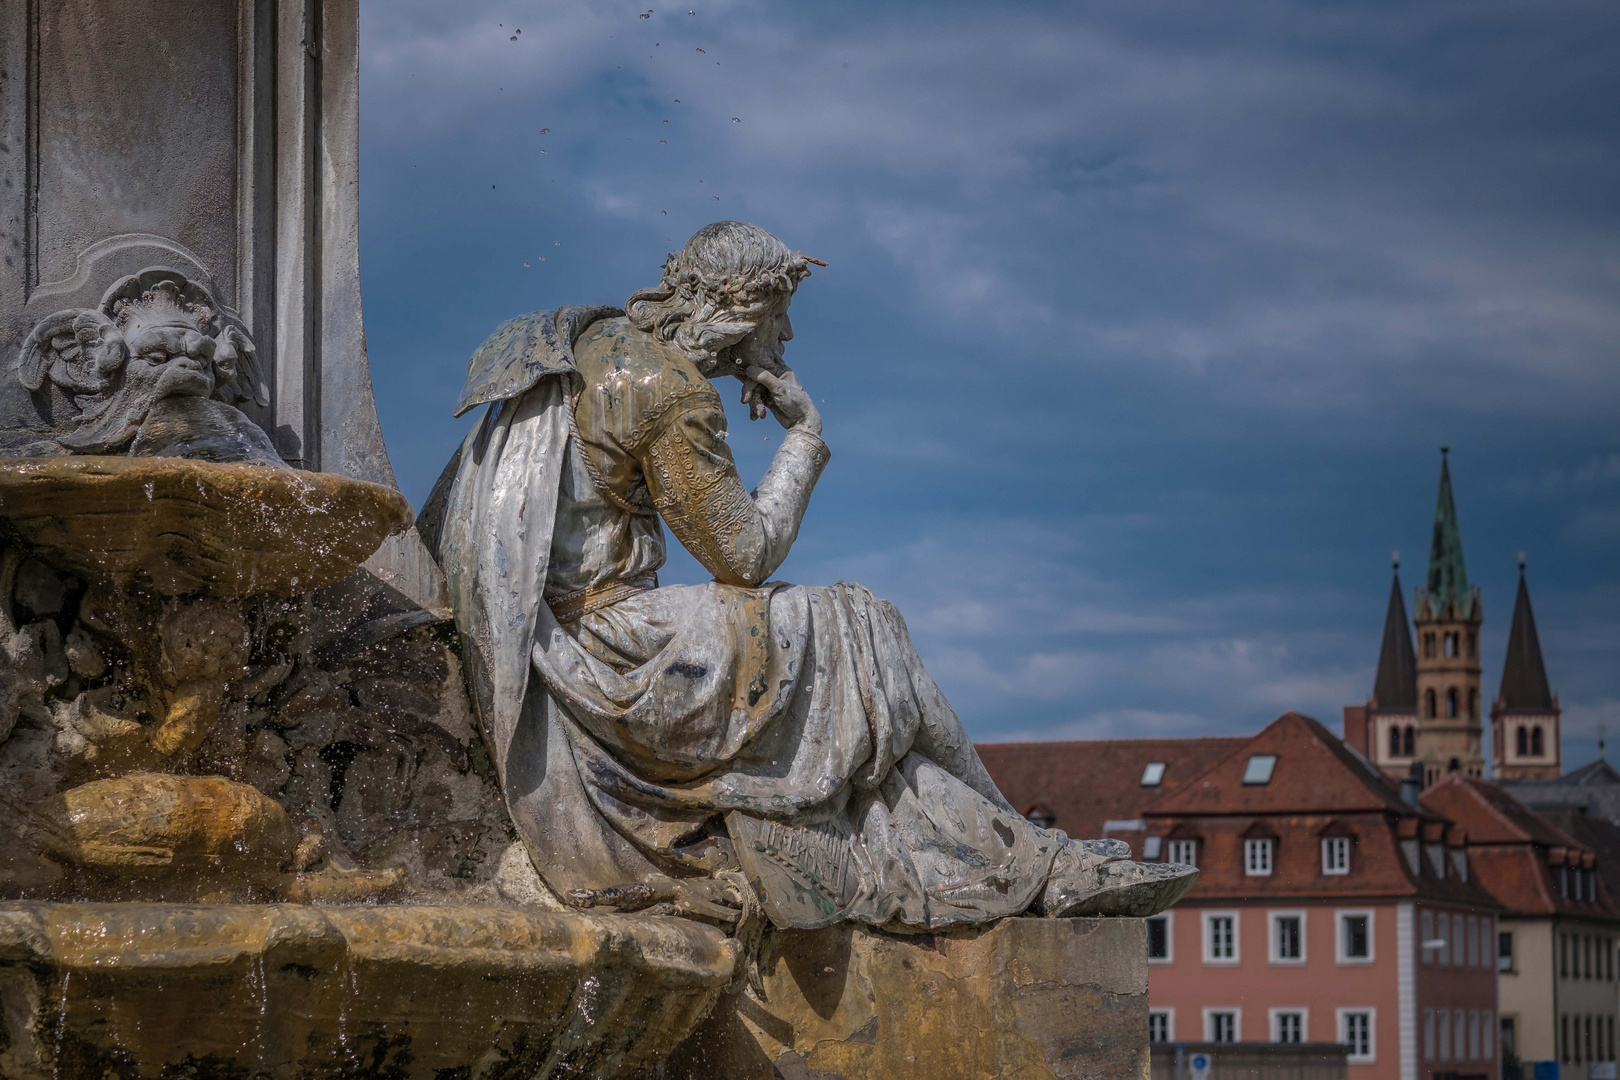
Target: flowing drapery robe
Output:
{"points": [[637, 730]]}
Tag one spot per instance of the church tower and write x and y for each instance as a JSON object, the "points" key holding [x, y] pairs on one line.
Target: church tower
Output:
{"points": [[1387, 724], [1525, 732], [1450, 735]]}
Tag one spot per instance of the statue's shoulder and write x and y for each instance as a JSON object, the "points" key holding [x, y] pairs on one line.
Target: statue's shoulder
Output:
{"points": [[634, 380], [523, 350]]}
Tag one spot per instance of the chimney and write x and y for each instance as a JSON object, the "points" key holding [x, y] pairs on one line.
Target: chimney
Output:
{"points": [[1412, 784]]}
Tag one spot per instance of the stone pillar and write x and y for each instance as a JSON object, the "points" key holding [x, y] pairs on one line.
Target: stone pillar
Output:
{"points": [[220, 139], [1031, 998]]}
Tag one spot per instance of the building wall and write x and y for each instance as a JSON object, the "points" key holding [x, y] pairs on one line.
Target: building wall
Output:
{"points": [[1527, 989], [1255, 985], [1455, 983], [1322, 984], [1538, 992]]}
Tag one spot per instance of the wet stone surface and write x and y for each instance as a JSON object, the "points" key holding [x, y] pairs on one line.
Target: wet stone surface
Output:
{"points": [[344, 706]]}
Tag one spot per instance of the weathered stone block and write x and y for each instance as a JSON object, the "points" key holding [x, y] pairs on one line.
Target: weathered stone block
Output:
{"points": [[1023, 998]]}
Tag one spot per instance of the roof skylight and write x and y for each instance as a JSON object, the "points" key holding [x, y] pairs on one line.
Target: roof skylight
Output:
{"points": [[1153, 775], [1258, 771]]}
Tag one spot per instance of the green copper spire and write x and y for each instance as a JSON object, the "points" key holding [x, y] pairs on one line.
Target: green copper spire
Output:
{"points": [[1448, 575]]}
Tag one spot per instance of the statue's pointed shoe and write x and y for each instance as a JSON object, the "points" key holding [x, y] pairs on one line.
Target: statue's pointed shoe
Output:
{"points": [[1128, 889]]}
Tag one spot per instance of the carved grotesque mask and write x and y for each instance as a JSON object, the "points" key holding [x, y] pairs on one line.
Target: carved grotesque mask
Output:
{"points": [[156, 369]]}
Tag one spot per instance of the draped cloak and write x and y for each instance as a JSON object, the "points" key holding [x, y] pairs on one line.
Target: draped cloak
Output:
{"points": [[800, 717]]}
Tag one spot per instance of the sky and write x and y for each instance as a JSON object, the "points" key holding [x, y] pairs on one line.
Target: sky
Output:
{"points": [[1142, 326]]}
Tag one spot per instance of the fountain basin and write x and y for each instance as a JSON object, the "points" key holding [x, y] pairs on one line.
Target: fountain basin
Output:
{"points": [[197, 528], [289, 990]]}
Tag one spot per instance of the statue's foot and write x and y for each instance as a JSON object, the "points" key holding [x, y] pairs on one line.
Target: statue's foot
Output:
{"points": [[1117, 887]]}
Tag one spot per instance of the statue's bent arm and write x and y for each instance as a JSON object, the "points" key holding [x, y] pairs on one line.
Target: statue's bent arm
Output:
{"points": [[740, 538]]}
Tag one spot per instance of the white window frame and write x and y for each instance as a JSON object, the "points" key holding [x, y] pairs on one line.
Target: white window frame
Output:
{"points": [[1237, 938], [1335, 856], [1442, 934], [1272, 918], [1237, 1021], [1339, 935], [1259, 856], [1169, 1015], [1342, 1015], [1300, 1011], [1426, 935], [1185, 847], [1169, 957]]}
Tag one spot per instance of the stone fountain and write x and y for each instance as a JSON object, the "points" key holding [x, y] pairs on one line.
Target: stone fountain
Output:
{"points": [[251, 826], [209, 708]]}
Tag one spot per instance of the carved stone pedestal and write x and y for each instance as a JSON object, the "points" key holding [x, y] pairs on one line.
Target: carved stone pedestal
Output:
{"points": [[1025, 998]]}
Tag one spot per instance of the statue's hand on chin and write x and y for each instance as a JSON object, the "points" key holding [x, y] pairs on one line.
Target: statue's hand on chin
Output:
{"points": [[781, 393], [705, 898]]}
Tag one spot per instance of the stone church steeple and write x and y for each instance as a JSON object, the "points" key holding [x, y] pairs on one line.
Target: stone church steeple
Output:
{"points": [[1447, 615], [1385, 729], [1525, 718]]}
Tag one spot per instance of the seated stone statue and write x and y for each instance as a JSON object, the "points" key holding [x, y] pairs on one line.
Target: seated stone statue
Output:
{"points": [[681, 744]]}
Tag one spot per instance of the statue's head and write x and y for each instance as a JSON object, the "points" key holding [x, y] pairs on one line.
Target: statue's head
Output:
{"points": [[724, 297]]}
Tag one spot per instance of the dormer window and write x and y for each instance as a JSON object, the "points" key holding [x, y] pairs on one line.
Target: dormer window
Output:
{"points": [[1258, 770], [1335, 855], [1437, 859], [1153, 774], [1258, 856], [1459, 863], [1184, 851]]}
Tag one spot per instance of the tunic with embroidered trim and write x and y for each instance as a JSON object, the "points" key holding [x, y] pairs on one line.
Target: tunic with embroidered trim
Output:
{"points": [[650, 441]]}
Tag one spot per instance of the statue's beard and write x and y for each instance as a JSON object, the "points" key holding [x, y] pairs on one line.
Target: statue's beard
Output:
{"points": [[749, 353], [110, 425]]}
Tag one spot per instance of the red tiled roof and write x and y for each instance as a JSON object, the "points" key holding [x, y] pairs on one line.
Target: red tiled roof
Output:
{"points": [[1316, 773], [1318, 787], [1509, 846], [1086, 784], [1491, 815]]}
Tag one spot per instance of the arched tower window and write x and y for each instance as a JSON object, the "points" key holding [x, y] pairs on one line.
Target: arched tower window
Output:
{"points": [[1522, 741], [1407, 740], [1473, 644], [1394, 740], [1473, 704], [1451, 703], [1535, 741], [1451, 646], [1428, 703], [1428, 645], [1454, 765]]}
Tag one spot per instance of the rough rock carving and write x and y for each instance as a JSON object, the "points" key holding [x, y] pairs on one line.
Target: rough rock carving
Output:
{"points": [[155, 370], [698, 748]]}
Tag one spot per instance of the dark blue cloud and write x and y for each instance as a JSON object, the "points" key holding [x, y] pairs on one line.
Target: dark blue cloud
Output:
{"points": [[1142, 325]]}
